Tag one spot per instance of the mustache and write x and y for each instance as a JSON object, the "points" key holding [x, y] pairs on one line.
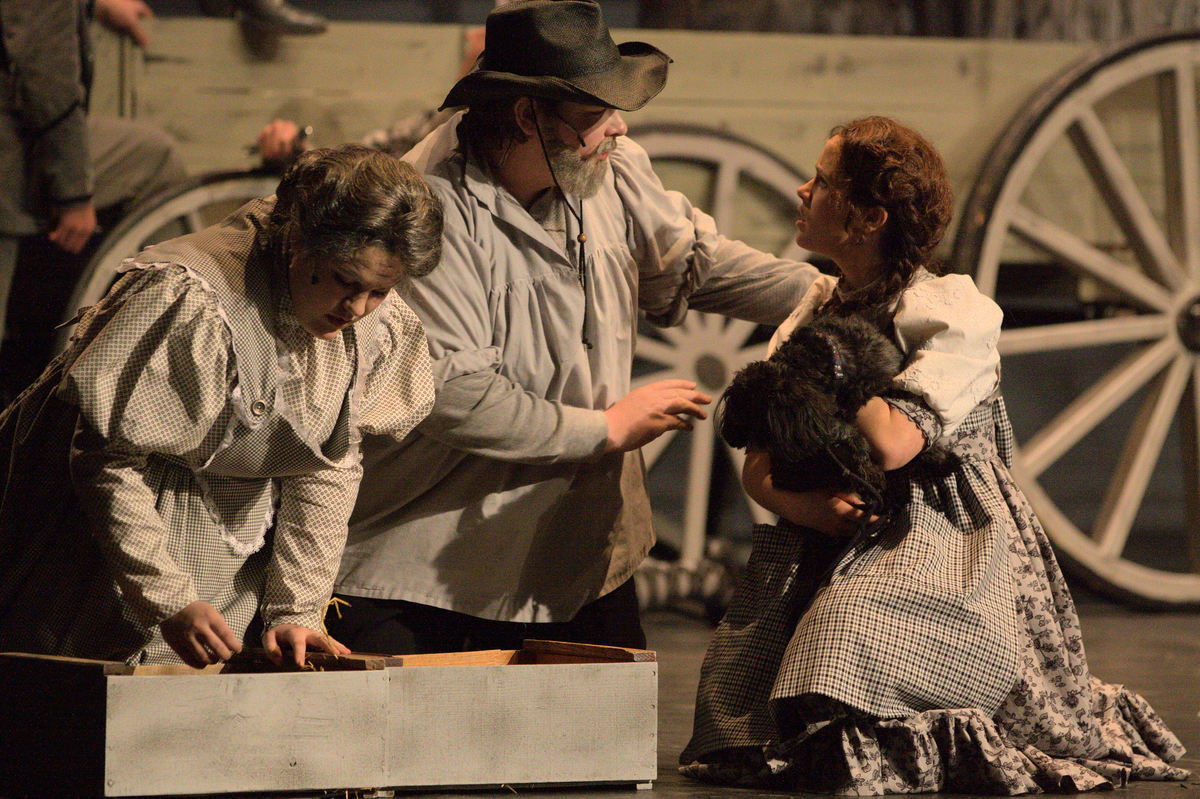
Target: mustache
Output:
{"points": [[606, 146]]}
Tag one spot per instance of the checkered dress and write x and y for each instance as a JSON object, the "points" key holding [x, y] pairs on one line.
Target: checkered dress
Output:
{"points": [[945, 659], [212, 444], [946, 656]]}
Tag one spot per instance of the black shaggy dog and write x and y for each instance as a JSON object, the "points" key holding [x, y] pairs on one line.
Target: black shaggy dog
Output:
{"points": [[799, 406]]}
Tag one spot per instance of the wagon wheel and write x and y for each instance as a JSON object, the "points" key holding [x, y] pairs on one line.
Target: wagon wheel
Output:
{"points": [[752, 195], [175, 211], [1085, 226]]}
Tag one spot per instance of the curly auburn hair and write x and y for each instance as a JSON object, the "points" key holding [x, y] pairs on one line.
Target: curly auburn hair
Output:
{"points": [[887, 165], [336, 202]]}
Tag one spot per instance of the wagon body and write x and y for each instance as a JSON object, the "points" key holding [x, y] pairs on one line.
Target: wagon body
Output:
{"points": [[782, 92]]}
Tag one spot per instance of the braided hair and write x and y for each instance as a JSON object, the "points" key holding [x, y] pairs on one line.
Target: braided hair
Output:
{"points": [[887, 165]]}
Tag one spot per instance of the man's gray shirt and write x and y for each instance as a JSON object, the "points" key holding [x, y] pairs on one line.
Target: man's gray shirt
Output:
{"points": [[503, 504]]}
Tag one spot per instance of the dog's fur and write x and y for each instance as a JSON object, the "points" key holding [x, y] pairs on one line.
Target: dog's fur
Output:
{"points": [[795, 406]]}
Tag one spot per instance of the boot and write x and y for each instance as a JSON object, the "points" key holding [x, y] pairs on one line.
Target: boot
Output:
{"points": [[278, 16], [216, 8]]}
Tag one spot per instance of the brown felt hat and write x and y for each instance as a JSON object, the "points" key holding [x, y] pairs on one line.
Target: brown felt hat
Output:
{"points": [[560, 50]]}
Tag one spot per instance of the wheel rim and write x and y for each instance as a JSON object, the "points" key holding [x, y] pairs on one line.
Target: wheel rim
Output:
{"points": [[751, 195], [178, 210], [1093, 197]]}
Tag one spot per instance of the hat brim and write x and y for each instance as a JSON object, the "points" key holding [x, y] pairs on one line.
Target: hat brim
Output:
{"points": [[640, 74]]}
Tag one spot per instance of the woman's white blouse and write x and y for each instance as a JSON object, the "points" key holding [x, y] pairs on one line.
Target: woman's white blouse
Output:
{"points": [[947, 331]]}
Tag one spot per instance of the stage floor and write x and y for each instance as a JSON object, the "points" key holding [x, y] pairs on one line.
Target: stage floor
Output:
{"points": [[1156, 654]]}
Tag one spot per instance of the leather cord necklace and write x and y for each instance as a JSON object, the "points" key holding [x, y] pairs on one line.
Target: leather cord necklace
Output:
{"points": [[582, 237]]}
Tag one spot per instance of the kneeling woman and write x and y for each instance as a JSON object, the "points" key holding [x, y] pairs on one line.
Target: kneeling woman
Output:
{"points": [[192, 458], [946, 656]]}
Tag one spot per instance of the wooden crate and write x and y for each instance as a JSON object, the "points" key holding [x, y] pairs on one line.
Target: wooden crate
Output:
{"points": [[548, 714]]}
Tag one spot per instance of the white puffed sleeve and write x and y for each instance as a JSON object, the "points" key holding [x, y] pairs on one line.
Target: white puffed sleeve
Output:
{"points": [[399, 389], [948, 332], [153, 380]]}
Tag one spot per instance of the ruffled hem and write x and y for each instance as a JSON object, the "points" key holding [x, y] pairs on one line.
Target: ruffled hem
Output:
{"points": [[950, 750]]}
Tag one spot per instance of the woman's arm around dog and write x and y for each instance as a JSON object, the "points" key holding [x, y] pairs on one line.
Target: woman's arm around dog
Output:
{"points": [[894, 438], [825, 512]]}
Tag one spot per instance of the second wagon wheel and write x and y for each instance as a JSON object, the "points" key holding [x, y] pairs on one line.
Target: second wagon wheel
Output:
{"points": [[186, 208], [752, 196], [1085, 226]]}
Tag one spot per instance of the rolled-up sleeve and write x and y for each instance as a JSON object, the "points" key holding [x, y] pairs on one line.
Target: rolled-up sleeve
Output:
{"points": [[684, 262]]}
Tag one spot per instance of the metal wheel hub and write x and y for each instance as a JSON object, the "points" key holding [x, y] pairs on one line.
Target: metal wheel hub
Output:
{"points": [[1188, 324], [713, 376]]}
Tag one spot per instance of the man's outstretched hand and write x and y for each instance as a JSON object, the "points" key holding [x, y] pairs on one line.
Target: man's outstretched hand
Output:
{"points": [[646, 413]]}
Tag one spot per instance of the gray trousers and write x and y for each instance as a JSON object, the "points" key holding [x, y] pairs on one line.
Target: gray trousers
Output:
{"points": [[132, 161]]}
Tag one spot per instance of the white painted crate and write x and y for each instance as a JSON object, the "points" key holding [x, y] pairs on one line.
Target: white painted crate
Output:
{"points": [[549, 714]]}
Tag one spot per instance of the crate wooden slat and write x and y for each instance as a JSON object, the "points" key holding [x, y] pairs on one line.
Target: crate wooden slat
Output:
{"points": [[525, 724], [229, 733], [549, 714]]}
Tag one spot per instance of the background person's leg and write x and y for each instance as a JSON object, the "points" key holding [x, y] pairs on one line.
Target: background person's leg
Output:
{"points": [[396, 627], [132, 160], [8, 268], [612, 620]]}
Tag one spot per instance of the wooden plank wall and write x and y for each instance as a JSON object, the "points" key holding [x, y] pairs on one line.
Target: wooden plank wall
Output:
{"points": [[202, 83], [785, 91]]}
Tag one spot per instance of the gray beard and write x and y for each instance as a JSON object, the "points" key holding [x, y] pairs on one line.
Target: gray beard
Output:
{"points": [[576, 176]]}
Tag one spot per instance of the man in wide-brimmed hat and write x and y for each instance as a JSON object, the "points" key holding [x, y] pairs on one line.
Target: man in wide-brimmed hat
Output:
{"points": [[520, 508]]}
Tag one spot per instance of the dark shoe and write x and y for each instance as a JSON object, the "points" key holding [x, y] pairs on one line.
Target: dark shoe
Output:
{"points": [[279, 16], [217, 8]]}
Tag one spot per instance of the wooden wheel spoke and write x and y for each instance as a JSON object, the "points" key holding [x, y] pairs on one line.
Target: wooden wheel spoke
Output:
{"points": [[652, 451], [1093, 406], [1082, 256], [675, 335], [1123, 198], [1078, 335], [706, 325], [736, 333], [180, 210], [192, 222], [651, 377], [1096, 145], [725, 189], [709, 348], [657, 351], [699, 482], [1181, 162], [1143, 446], [756, 352]]}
